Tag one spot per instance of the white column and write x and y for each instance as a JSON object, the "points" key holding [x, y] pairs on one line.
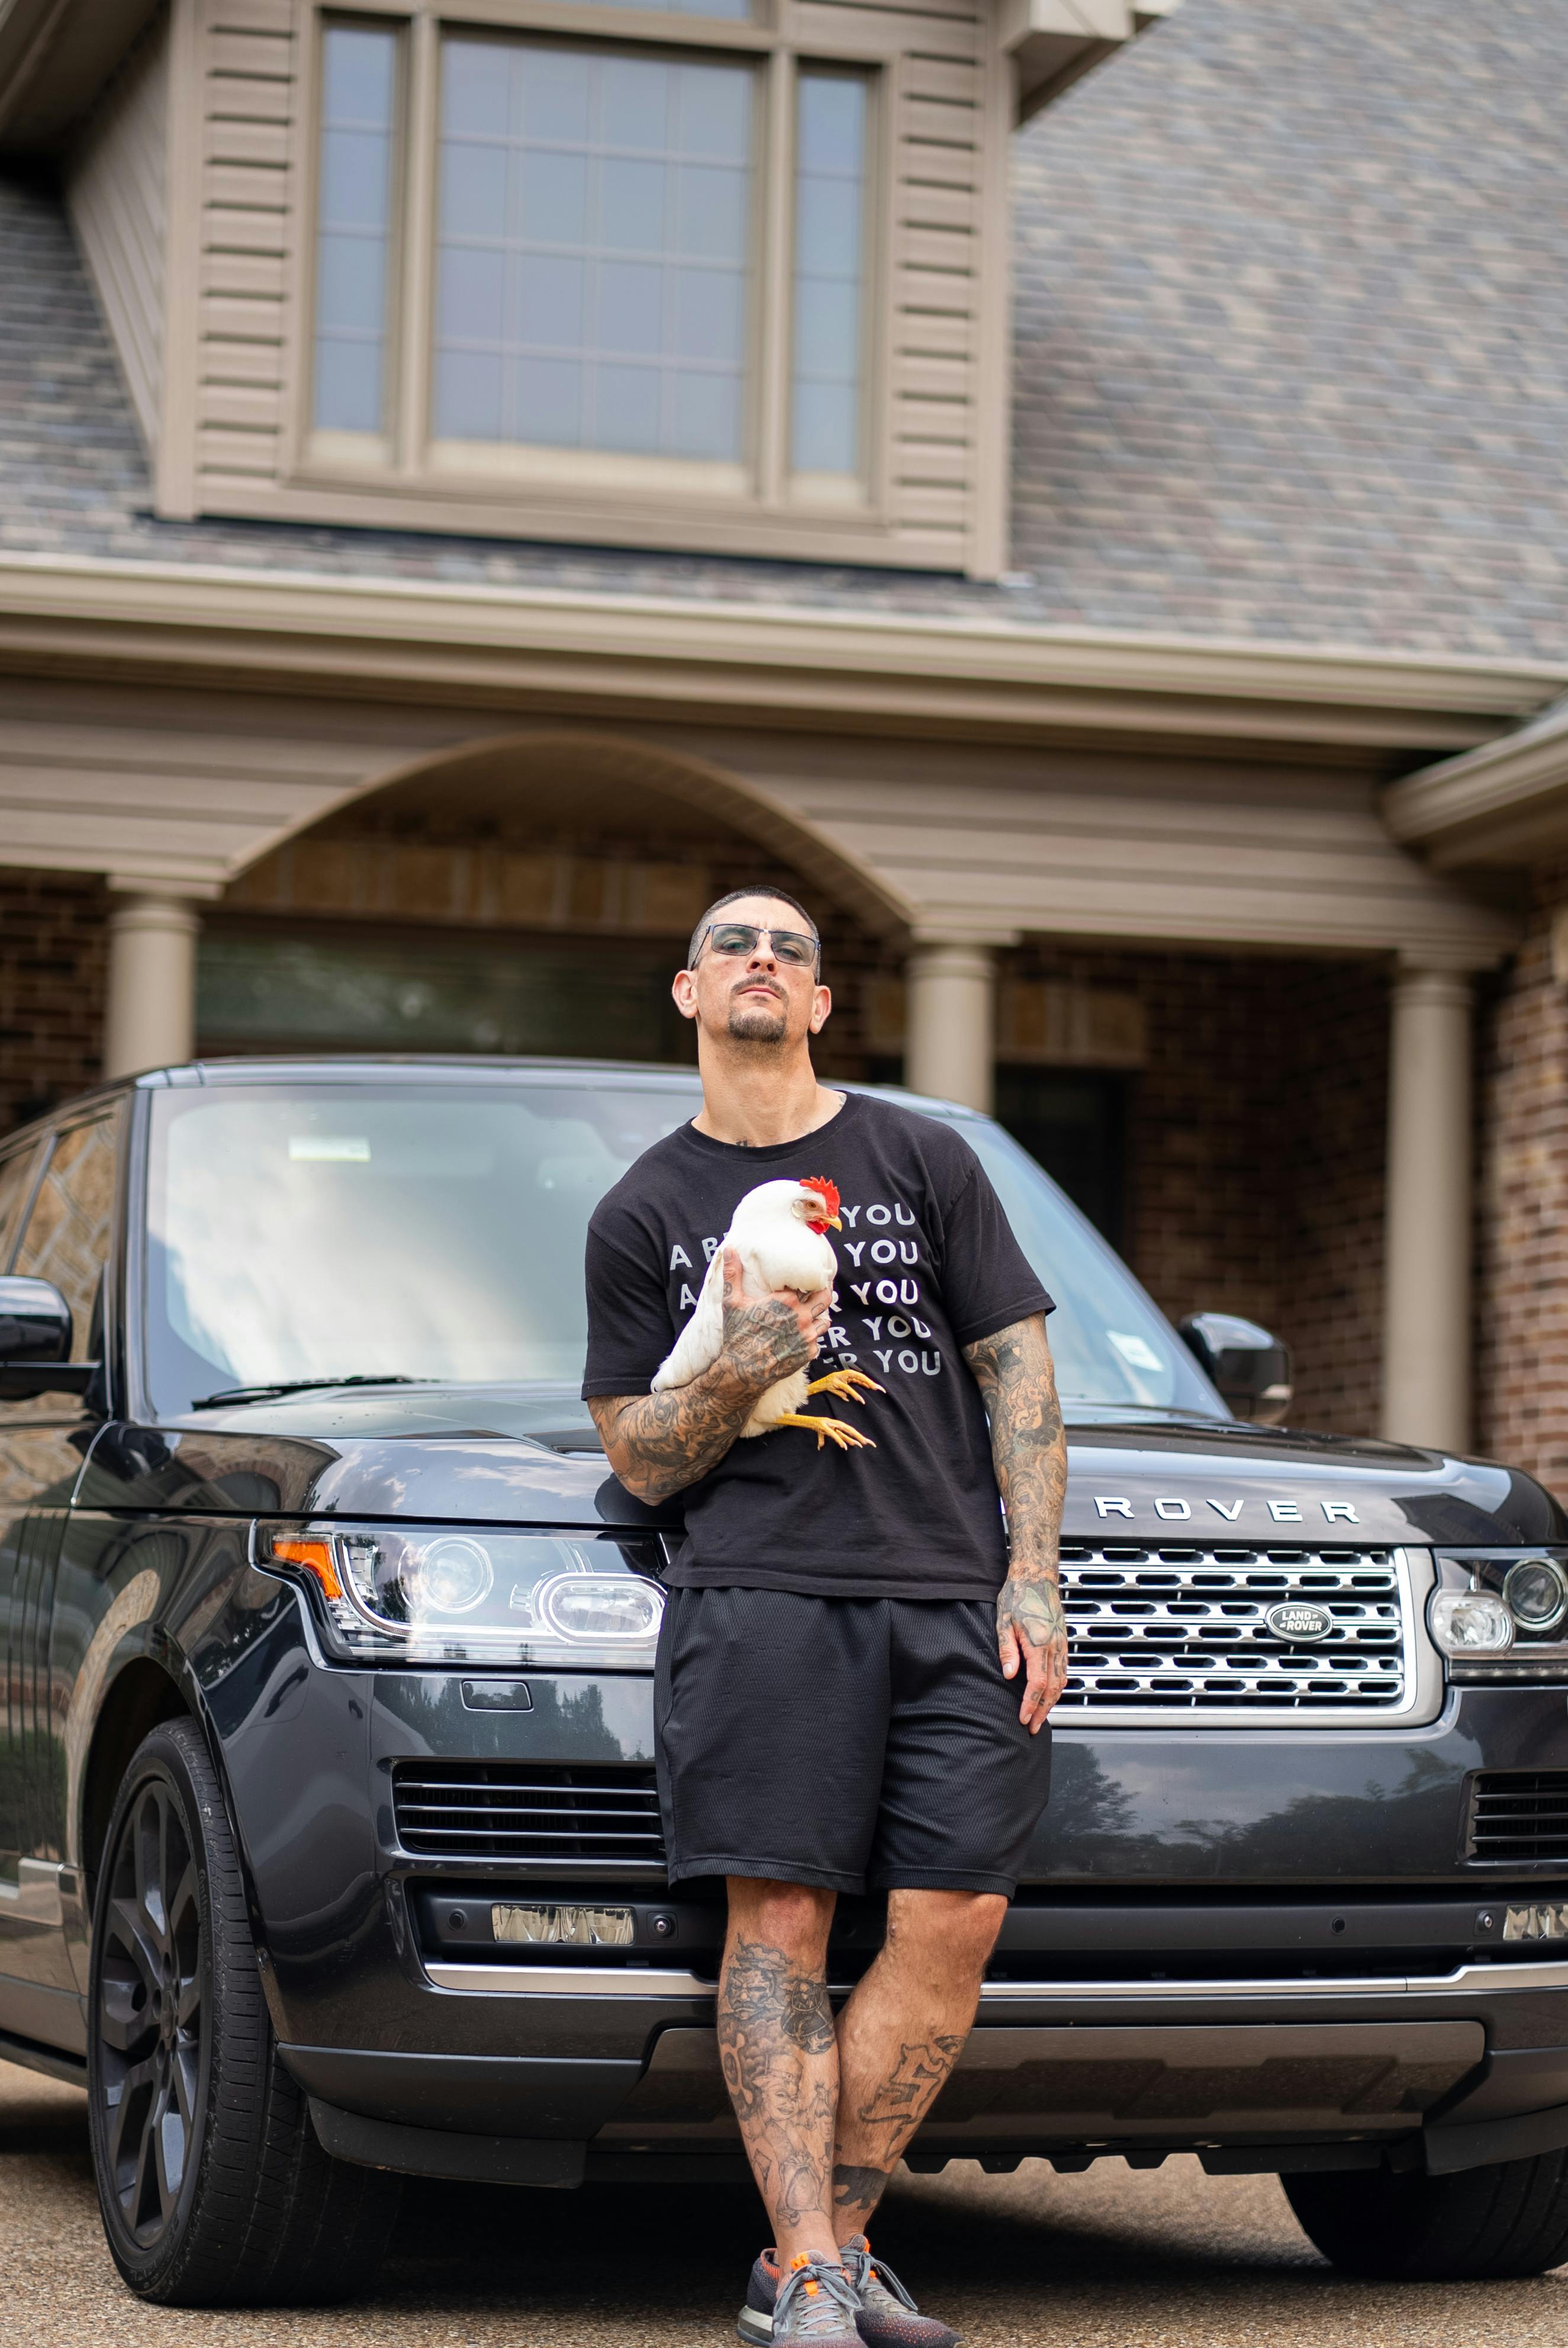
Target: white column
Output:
{"points": [[1427, 1212], [150, 1020], [950, 1038]]}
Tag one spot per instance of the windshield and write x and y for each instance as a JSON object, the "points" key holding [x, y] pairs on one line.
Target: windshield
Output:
{"points": [[329, 1230]]}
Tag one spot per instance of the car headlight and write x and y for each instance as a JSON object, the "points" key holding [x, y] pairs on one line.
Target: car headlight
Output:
{"points": [[443, 1594], [1536, 1591], [1470, 1622]]}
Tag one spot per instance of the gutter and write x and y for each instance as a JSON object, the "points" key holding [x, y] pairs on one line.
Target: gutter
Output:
{"points": [[1505, 803], [397, 639]]}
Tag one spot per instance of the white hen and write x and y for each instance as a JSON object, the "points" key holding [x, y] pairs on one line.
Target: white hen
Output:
{"points": [[779, 1231]]}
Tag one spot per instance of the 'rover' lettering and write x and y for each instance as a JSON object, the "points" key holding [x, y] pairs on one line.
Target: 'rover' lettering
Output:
{"points": [[1342, 1510], [1113, 1508], [1285, 1512]]}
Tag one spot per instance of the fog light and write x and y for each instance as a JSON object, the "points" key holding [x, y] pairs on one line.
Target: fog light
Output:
{"points": [[1470, 1622], [1537, 1592]]}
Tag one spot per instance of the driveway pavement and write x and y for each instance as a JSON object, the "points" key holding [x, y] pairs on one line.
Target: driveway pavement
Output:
{"points": [[1113, 2258]]}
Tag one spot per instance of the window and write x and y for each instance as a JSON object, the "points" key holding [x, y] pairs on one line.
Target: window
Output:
{"points": [[595, 229], [66, 1237], [828, 331], [353, 227], [17, 1174], [562, 259]]}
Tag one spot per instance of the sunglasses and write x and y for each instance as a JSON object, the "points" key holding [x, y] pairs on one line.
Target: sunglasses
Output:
{"points": [[792, 947]]}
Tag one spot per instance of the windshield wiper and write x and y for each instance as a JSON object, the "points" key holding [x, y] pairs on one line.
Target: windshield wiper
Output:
{"points": [[304, 1385]]}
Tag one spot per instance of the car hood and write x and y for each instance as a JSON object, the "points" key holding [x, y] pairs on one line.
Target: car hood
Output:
{"points": [[529, 1456]]}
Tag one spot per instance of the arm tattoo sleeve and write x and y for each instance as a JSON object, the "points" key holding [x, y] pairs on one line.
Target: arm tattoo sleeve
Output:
{"points": [[1029, 1450], [660, 1442]]}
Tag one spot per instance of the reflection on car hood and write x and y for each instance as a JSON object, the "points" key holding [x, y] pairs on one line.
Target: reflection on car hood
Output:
{"points": [[529, 1454]]}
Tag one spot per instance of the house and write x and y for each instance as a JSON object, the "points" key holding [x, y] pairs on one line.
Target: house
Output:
{"points": [[478, 479]]}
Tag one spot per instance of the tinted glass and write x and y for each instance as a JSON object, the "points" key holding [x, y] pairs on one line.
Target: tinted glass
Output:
{"points": [[68, 1235], [354, 213], [1110, 1342], [594, 235], [327, 1230], [18, 1173]]}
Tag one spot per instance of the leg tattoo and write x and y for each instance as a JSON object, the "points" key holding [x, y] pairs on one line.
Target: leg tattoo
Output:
{"points": [[781, 2066]]}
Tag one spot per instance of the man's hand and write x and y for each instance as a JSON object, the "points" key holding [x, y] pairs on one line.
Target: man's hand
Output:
{"points": [[658, 1444], [768, 1337], [1031, 1628], [1029, 1450]]}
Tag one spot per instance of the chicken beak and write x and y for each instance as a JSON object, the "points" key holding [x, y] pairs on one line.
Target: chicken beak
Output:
{"points": [[834, 1224]]}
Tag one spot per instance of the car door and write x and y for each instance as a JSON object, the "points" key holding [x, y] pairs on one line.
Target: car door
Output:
{"points": [[63, 1234]]}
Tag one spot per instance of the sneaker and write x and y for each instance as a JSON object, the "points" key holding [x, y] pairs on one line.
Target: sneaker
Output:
{"points": [[888, 2317], [814, 2302]]}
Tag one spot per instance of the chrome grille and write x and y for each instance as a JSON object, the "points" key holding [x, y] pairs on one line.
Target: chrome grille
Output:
{"points": [[1183, 1630], [527, 1810]]}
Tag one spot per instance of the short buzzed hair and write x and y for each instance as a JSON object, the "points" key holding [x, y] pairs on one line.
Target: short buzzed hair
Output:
{"points": [[733, 897]]}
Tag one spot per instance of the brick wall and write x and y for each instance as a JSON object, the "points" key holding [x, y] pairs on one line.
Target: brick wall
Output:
{"points": [[1522, 1218], [1332, 1135], [52, 955], [1256, 1146]]}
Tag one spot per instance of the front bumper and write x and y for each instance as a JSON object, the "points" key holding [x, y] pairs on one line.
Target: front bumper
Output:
{"points": [[1413, 2047], [1438, 2073]]}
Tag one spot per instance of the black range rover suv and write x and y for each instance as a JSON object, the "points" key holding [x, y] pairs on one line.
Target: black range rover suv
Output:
{"points": [[329, 1843]]}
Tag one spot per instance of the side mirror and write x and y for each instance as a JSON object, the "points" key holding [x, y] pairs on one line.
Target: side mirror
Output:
{"points": [[1251, 1369], [35, 1342]]}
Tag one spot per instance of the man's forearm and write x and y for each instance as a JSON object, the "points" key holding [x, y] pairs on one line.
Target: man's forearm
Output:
{"points": [[1029, 1446], [660, 1442]]}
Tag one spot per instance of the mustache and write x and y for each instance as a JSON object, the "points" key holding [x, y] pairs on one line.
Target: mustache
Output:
{"points": [[741, 985]]}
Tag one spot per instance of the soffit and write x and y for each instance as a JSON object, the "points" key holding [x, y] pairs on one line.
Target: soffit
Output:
{"points": [[54, 57]]}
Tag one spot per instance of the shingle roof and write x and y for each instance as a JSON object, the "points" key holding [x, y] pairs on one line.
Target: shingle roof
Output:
{"points": [[1292, 327], [1291, 356]]}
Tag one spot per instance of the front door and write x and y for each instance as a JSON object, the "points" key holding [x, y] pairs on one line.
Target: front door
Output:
{"points": [[64, 1238]]}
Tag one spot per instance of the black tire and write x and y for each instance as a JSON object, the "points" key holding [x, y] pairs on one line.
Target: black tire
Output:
{"points": [[213, 2189], [1484, 2225]]}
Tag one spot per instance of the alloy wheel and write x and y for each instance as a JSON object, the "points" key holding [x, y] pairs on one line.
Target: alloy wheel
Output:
{"points": [[151, 2014]]}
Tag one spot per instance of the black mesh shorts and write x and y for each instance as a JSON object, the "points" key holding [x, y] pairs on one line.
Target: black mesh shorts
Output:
{"points": [[861, 1744]]}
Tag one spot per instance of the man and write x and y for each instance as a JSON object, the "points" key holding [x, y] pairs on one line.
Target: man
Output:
{"points": [[830, 1705]]}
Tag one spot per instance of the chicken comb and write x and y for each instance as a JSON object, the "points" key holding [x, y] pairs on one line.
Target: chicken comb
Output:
{"points": [[829, 1190]]}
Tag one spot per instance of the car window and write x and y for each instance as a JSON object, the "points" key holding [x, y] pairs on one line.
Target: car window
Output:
{"points": [[1110, 1341], [435, 1233], [325, 1231], [67, 1235], [18, 1172]]}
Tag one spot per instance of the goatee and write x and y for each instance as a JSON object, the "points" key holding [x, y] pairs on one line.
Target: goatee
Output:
{"points": [[749, 1023]]}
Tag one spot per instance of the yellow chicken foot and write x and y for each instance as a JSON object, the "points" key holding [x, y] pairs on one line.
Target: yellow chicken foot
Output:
{"points": [[843, 1383], [848, 1438]]}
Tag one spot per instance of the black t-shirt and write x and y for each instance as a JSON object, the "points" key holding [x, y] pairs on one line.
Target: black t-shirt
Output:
{"points": [[926, 1265]]}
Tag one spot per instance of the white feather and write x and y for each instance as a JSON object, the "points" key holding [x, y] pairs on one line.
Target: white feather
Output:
{"points": [[776, 1251]]}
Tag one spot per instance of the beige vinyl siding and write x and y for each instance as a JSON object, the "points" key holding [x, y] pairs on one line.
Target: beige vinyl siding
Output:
{"points": [[114, 195], [938, 267], [248, 84]]}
